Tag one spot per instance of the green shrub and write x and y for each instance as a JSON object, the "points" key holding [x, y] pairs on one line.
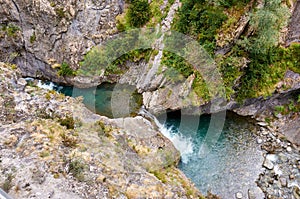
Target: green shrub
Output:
{"points": [[65, 70], [11, 29], [7, 185], [60, 13], [67, 122], [176, 62], [32, 38], [279, 109], [268, 62], [230, 68], [138, 13], [107, 59], [200, 20], [77, 168], [230, 3], [69, 140]]}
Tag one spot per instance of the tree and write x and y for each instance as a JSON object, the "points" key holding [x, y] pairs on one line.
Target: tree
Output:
{"points": [[139, 13]]}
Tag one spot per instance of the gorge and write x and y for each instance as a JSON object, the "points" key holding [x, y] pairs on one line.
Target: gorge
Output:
{"points": [[196, 96]]}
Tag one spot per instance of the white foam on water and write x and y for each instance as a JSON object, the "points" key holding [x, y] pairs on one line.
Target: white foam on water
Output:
{"points": [[183, 144], [48, 85]]}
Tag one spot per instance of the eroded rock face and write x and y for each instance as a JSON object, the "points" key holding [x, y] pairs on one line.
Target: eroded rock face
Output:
{"points": [[294, 26], [51, 32], [54, 147]]}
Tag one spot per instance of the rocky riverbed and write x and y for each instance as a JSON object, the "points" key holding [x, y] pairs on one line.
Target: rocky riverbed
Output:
{"points": [[281, 177]]}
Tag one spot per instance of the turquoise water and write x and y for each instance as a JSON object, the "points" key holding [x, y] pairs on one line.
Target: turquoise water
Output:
{"points": [[231, 165], [110, 100]]}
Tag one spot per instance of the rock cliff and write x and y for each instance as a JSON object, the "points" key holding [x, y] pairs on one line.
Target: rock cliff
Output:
{"points": [[53, 147], [44, 34]]}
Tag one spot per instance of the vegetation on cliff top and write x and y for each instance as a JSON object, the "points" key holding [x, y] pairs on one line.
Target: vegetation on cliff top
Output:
{"points": [[256, 60]]}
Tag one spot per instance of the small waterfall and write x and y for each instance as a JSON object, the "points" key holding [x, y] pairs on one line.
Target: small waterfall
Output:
{"points": [[183, 144], [45, 84]]}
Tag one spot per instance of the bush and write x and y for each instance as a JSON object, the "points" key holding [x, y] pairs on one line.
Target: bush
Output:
{"points": [[201, 20], [67, 122], [139, 13], [268, 62], [65, 70], [32, 38], [176, 62], [76, 168], [11, 29]]}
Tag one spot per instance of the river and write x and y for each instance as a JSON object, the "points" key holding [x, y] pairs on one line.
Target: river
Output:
{"points": [[230, 168]]}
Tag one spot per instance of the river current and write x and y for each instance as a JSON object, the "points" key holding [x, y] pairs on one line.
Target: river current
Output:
{"points": [[229, 167]]}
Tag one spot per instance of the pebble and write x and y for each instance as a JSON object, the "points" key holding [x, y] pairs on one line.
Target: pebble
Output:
{"points": [[22, 82], [251, 194], [288, 149], [268, 164], [239, 195], [283, 182], [262, 124], [259, 141]]}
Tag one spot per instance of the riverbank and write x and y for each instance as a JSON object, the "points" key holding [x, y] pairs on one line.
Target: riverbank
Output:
{"points": [[54, 147]]}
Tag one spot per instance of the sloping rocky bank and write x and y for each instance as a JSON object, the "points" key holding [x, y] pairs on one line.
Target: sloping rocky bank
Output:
{"points": [[53, 147]]}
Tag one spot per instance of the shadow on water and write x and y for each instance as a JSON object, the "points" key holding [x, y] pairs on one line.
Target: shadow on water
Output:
{"points": [[111, 100]]}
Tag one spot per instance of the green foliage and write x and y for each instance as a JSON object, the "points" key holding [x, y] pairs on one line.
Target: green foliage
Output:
{"points": [[265, 71], [48, 96], [268, 62], [138, 13], [67, 122], [52, 4], [179, 68], [44, 154], [77, 168], [200, 20], [160, 175], [60, 13], [65, 70], [230, 3], [110, 59], [290, 57], [279, 109], [10, 29], [200, 87], [176, 62], [292, 107], [266, 23], [68, 139], [7, 185], [230, 68], [32, 38]]}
